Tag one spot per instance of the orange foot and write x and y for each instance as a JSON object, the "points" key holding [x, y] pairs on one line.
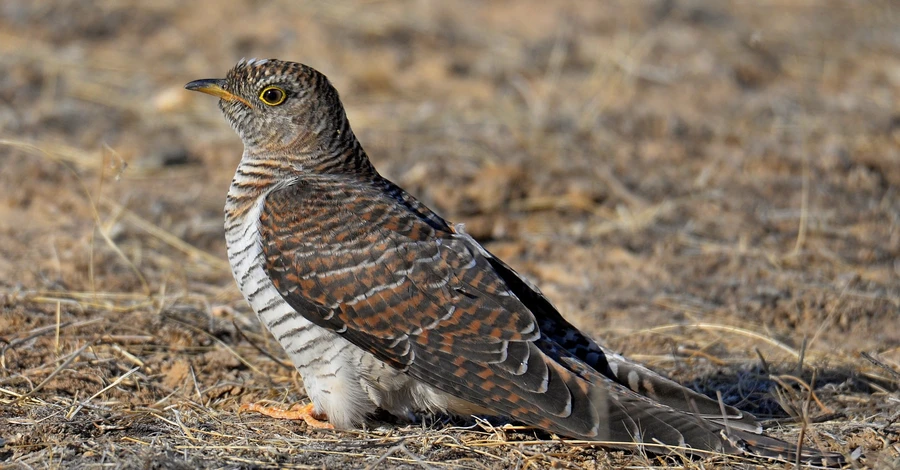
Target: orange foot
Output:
{"points": [[304, 412]]}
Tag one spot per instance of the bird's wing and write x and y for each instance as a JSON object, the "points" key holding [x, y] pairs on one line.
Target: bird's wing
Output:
{"points": [[358, 262], [632, 375]]}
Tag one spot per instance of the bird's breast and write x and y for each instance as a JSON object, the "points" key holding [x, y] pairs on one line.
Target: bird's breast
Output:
{"points": [[295, 333]]}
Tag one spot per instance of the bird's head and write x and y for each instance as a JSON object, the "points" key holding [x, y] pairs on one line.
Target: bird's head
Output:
{"points": [[279, 106]]}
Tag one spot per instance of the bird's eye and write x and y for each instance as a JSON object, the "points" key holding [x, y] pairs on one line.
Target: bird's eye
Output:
{"points": [[272, 95]]}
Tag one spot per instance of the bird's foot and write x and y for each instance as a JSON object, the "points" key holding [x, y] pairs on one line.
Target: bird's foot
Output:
{"points": [[304, 412]]}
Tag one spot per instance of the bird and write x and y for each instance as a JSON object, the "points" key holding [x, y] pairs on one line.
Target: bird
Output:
{"points": [[382, 304]]}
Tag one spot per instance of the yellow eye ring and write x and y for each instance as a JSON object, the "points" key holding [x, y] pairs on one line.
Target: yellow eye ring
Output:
{"points": [[272, 95]]}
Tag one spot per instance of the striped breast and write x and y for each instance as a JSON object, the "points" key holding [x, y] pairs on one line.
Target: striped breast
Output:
{"points": [[307, 345], [296, 334], [333, 370]]}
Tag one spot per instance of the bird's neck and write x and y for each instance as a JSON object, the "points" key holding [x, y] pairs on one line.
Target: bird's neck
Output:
{"points": [[260, 172]]}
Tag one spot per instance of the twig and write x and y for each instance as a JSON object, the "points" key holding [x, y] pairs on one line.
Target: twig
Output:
{"points": [[166, 237], [104, 389], [37, 332], [726, 328], [824, 418], [890, 370], [804, 207], [56, 336], [221, 343], [56, 371], [260, 349], [804, 415], [187, 432], [398, 448], [196, 386], [781, 378], [802, 355], [762, 361]]}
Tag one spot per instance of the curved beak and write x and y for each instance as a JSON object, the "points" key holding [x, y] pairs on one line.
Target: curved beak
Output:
{"points": [[215, 87]]}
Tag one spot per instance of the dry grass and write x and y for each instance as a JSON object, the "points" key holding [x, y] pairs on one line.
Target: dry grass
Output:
{"points": [[710, 187]]}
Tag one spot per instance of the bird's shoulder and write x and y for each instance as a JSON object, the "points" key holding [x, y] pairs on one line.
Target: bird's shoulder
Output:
{"points": [[374, 201]]}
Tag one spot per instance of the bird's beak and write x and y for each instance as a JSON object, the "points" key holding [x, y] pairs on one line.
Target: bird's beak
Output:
{"points": [[215, 87]]}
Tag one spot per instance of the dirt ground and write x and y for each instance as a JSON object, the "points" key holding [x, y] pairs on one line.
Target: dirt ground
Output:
{"points": [[710, 187]]}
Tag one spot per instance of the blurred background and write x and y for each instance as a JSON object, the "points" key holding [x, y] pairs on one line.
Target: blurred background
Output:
{"points": [[711, 187]]}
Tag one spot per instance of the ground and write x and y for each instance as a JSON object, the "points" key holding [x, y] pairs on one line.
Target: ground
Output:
{"points": [[710, 187]]}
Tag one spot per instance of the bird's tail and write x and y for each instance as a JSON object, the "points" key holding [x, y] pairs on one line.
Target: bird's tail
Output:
{"points": [[764, 446], [630, 417], [562, 394]]}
